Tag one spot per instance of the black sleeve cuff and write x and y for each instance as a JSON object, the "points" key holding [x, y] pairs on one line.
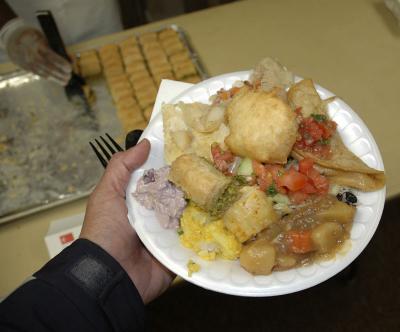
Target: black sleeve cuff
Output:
{"points": [[97, 285]]}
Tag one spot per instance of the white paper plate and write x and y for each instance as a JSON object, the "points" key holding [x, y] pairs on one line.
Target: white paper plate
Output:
{"points": [[227, 276]]}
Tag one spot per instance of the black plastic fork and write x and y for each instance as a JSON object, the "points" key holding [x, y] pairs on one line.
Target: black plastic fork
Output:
{"points": [[108, 149]]}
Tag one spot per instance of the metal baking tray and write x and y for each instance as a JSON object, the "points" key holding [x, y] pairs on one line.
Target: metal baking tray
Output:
{"points": [[45, 158]]}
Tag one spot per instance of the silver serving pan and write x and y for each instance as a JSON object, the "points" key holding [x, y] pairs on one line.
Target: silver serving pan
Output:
{"points": [[45, 158]]}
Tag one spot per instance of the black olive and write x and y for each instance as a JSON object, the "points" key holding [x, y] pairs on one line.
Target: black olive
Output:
{"points": [[347, 197]]}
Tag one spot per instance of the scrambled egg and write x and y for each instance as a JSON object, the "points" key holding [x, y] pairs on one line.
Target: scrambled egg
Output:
{"points": [[192, 267], [208, 238]]}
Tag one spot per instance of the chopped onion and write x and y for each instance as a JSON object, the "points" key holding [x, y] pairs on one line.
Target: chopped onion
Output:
{"points": [[235, 165]]}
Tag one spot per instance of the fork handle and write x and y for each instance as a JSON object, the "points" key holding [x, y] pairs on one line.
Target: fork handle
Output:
{"points": [[132, 138], [52, 33]]}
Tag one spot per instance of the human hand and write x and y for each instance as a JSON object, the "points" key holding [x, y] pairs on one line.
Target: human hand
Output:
{"points": [[28, 48], [106, 224]]}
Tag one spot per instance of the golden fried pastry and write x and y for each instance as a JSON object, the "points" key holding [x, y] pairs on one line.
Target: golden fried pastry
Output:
{"points": [[170, 41], [158, 77], [250, 214], [146, 98], [193, 79], [119, 94], [89, 68], [262, 127], [144, 83], [126, 102], [135, 66], [164, 34], [133, 49], [117, 78], [113, 70], [148, 37], [147, 113], [139, 75], [132, 57], [179, 57], [160, 68], [157, 61], [186, 69], [131, 41], [154, 53], [199, 180]]}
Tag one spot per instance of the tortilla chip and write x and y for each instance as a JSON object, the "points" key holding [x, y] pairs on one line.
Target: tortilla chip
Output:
{"points": [[303, 94]]}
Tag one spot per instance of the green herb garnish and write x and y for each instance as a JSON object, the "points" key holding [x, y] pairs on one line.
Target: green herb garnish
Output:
{"points": [[271, 190], [324, 141], [180, 231], [319, 117], [240, 180]]}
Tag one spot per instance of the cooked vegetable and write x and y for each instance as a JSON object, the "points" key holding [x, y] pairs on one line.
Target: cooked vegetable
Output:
{"points": [[326, 236], [300, 241], [246, 167], [258, 257], [339, 212]]}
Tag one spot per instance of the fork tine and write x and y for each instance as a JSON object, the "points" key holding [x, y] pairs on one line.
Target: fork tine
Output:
{"points": [[117, 146], [110, 148], [98, 154], [108, 156]]}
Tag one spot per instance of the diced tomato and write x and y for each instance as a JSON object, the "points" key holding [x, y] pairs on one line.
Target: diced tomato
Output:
{"points": [[305, 165], [320, 182], [222, 159], [276, 170], [264, 178], [292, 180], [309, 188], [300, 242], [265, 182]]}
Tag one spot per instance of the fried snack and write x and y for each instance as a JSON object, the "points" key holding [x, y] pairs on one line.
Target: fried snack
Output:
{"points": [[160, 69], [117, 79], [262, 127], [147, 113], [89, 64], [146, 97], [135, 66], [128, 42], [144, 84], [126, 102], [172, 46], [303, 94], [184, 69], [139, 75], [180, 139], [131, 118], [147, 37], [118, 94], [179, 57], [132, 58], [164, 34], [199, 180], [193, 79], [250, 214], [271, 74], [158, 77]]}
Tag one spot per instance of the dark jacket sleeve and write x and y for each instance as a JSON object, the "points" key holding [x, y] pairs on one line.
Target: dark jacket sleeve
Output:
{"points": [[81, 289]]}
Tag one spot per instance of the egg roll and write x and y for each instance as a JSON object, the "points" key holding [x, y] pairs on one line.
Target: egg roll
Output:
{"points": [[250, 214], [200, 181]]}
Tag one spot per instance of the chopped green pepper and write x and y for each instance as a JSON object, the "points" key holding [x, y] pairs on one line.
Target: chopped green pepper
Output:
{"points": [[271, 190], [319, 117]]}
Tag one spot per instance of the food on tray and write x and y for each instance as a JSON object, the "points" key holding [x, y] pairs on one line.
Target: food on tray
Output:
{"points": [[89, 64], [267, 178]]}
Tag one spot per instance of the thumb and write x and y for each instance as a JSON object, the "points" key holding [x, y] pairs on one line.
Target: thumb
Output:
{"points": [[137, 155]]}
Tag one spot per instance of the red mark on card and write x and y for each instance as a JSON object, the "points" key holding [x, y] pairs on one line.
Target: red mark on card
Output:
{"points": [[69, 237]]}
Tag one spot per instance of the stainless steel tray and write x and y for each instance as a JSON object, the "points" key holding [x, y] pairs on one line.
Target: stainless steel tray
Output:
{"points": [[45, 158]]}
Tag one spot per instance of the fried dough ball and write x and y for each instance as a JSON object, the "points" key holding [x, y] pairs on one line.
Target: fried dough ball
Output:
{"points": [[262, 127]]}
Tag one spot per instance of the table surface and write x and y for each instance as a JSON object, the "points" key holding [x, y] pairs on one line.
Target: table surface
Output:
{"points": [[349, 47]]}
